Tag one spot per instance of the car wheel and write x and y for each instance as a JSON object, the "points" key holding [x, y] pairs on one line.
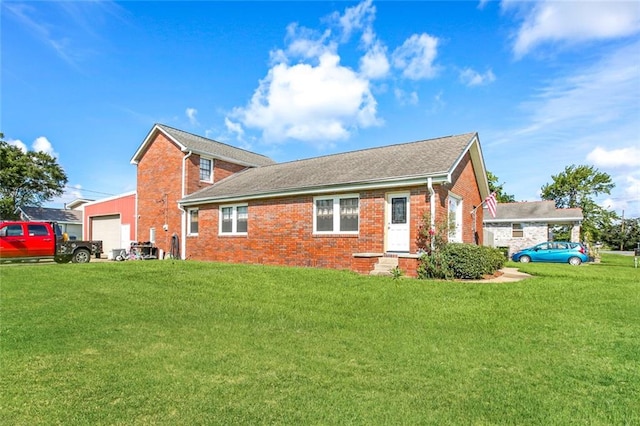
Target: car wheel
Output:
{"points": [[525, 259], [575, 261], [81, 256]]}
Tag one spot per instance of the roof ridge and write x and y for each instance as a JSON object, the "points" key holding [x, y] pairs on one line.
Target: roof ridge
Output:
{"points": [[336, 154], [211, 140]]}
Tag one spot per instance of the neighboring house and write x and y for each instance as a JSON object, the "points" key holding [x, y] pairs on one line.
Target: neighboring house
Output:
{"points": [[111, 220], [521, 225], [343, 211], [70, 221]]}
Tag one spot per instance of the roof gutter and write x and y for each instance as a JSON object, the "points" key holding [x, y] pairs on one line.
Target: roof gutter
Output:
{"points": [[183, 214], [535, 219], [316, 190]]}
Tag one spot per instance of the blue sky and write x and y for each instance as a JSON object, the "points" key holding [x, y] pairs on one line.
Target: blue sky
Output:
{"points": [[546, 84]]}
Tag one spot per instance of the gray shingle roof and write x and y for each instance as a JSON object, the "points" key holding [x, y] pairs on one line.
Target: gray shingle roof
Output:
{"points": [[215, 149], [533, 210], [45, 214], [428, 158]]}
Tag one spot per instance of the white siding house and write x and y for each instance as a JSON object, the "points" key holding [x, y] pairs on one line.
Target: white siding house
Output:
{"points": [[521, 225]]}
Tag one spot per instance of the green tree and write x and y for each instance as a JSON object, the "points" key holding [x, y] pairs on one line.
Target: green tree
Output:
{"points": [[575, 187], [495, 186], [27, 179], [623, 234]]}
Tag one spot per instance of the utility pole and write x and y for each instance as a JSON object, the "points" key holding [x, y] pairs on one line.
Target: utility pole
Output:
{"points": [[622, 233]]}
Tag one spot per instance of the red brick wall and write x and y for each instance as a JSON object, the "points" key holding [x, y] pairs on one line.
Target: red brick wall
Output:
{"points": [[467, 187], [280, 231], [159, 188]]}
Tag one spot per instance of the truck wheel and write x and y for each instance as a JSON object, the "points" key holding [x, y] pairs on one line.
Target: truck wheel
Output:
{"points": [[81, 256], [62, 259]]}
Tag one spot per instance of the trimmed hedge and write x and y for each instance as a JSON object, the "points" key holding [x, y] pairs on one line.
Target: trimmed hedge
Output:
{"points": [[461, 261]]}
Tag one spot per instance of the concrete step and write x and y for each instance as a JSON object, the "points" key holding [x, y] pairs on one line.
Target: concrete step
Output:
{"points": [[384, 266]]}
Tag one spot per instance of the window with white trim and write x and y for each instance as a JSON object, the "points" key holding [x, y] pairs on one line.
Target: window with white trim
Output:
{"points": [[192, 222], [234, 219], [455, 219], [206, 169], [336, 215]]}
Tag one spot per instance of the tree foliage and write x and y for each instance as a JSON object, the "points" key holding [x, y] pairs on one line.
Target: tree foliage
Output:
{"points": [[623, 234], [495, 186], [27, 179], [575, 187]]}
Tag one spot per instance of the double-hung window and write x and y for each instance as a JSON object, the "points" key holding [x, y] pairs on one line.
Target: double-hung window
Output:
{"points": [[192, 222], [206, 169], [516, 230], [336, 215], [455, 219], [234, 219]]}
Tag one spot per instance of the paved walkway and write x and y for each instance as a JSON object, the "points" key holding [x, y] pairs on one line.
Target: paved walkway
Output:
{"points": [[509, 275]]}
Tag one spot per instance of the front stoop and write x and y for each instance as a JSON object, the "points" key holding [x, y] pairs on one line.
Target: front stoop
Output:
{"points": [[384, 266]]}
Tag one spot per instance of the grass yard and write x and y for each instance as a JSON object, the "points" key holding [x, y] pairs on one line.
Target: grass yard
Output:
{"points": [[164, 342]]}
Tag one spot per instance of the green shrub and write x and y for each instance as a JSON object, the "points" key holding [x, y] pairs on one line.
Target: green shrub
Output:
{"points": [[461, 261], [434, 265]]}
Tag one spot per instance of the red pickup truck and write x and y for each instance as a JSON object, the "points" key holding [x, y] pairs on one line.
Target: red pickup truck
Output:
{"points": [[27, 241]]}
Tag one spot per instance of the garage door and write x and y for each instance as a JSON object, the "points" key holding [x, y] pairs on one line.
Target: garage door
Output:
{"points": [[107, 229]]}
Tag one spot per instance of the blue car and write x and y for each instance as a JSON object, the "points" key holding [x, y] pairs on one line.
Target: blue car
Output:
{"points": [[555, 251]]}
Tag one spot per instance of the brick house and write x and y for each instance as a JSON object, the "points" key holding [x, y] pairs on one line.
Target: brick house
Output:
{"points": [[524, 224], [343, 211]]}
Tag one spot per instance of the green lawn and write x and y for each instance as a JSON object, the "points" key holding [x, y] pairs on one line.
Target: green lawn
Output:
{"points": [[164, 342]]}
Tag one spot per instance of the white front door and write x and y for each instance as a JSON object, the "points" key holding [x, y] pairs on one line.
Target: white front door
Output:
{"points": [[398, 237]]}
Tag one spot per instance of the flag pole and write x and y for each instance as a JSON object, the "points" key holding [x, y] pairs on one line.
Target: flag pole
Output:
{"points": [[493, 196]]}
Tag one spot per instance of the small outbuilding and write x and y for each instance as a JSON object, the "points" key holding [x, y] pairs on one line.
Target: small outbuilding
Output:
{"points": [[524, 224], [70, 221]]}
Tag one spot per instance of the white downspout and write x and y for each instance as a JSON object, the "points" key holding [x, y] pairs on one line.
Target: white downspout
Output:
{"points": [[183, 219], [432, 207]]}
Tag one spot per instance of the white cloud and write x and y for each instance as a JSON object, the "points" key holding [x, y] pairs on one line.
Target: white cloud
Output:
{"points": [[310, 103], [70, 29], [482, 4], [235, 128], [404, 98], [304, 43], [472, 77], [632, 189], [359, 17], [572, 22], [416, 57], [623, 157], [590, 97], [42, 144], [308, 94], [18, 143], [374, 64], [191, 114]]}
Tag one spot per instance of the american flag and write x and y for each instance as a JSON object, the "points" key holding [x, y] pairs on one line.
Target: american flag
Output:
{"points": [[491, 203]]}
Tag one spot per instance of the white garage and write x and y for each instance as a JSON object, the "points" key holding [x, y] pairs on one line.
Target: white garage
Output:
{"points": [[109, 230]]}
